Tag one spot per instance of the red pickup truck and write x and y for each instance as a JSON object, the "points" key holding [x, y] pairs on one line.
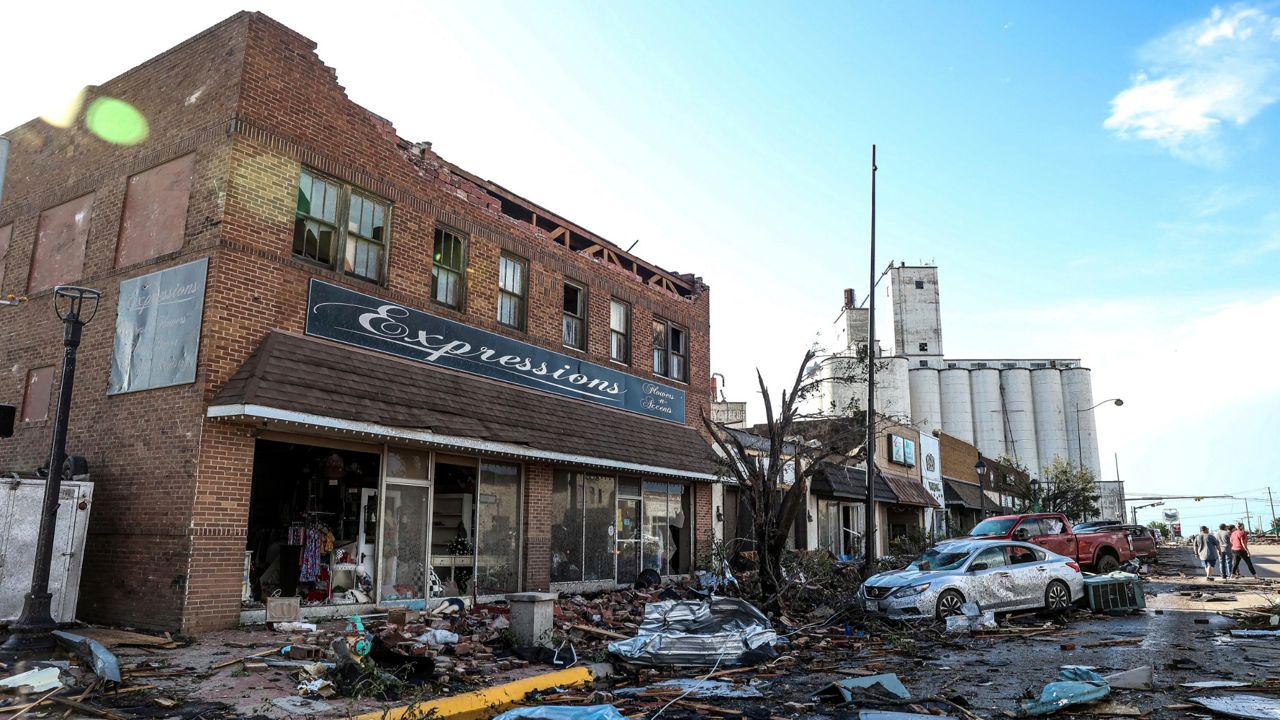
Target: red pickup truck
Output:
{"points": [[1103, 551]]}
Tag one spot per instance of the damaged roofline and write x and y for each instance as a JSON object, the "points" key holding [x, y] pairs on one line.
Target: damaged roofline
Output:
{"points": [[261, 412]]}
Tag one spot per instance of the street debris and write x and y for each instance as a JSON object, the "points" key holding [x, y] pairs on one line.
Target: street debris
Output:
{"points": [[33, 681], [1214, 684], [1135, 679], [971, 620], [104, 664], [723, 632], [551, 712], [1074, 686], [844, 690], [1251, 707], [692, 688]]}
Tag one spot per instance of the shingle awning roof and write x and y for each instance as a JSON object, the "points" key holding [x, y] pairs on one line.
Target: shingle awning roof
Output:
{"points": [[910, 491], [849, 483], [962, 494], [302, 380]]}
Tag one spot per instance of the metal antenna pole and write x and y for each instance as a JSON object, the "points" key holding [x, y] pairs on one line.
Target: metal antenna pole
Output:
{"points": [[1273, 508], [1247, 521], [869, 539]]}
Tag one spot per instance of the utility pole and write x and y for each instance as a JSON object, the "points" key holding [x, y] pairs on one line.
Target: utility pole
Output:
{"points": [[869, 539], [1248, 524], [1273, 507]]}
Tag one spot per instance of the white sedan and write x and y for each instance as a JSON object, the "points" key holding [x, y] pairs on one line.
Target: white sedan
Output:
{"points": [[998, 575]]}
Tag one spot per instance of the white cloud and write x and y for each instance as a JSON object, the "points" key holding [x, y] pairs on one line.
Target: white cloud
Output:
{"points": [[1219, 71]]}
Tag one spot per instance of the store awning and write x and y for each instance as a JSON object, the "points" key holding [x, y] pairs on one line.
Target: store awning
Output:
{"points": [[304, 382], [962, 494], [848, 483], [909, 491]]}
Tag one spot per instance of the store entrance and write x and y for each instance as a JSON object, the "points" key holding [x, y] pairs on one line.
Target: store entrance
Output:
{"points": [[313, 524]]}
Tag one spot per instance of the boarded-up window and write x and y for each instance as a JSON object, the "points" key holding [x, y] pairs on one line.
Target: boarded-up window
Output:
{"points": [[35, 402], [6, 234], [59, 255], [155, 212]]}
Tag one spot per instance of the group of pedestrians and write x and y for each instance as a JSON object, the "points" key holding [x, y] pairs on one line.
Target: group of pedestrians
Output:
{"points": [[1228, 546]]}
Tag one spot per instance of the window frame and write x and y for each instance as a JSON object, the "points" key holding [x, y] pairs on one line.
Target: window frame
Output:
{"points": [[626, 334], [522, 297], [581, 317], [668, 353], [341, 227], [465, 240]]}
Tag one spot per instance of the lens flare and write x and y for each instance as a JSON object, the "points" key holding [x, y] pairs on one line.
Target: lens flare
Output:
{"points": [[116, 121], [67, 110]]}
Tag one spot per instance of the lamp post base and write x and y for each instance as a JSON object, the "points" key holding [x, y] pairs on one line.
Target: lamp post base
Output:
{"points": [[31, 634]]}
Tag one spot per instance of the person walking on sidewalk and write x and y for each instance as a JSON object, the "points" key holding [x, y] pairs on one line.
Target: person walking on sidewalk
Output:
{"points": [[1206, 548], [1240, 548], [1224, 544]]}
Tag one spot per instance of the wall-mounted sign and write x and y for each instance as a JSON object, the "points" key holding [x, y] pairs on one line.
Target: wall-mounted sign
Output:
{"points": [[158, 328], [904, 450], [336, 313]]}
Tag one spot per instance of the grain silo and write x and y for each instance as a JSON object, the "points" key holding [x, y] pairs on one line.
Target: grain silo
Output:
{"points": [[1020, 415], [1077, 404], [1051, 433], [926, 399], [988, 418], [957, 403]]}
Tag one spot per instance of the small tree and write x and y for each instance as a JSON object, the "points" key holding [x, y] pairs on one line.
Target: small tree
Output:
{"points": [[1063, 488], [789, 436], [1161, 528]]}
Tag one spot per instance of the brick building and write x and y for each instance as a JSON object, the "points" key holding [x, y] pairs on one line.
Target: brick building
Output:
{"points": [[966, 505], [325, 350]]}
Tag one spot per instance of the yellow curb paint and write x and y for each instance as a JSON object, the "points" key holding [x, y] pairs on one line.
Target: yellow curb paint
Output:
{"points": [[484, 703]]}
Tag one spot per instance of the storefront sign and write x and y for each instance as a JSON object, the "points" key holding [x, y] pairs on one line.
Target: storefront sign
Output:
{"points": [[931, 476], [158, 329], [904, 450], [346, 316]]}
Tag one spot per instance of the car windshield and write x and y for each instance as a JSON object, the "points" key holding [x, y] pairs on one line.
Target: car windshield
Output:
{"points": [[992, 527], [939, 559]]}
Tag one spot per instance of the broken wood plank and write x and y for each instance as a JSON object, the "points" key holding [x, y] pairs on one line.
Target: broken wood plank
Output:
{"points": [[23, 709], [601, 632], [88, 709], [1112, 643], [110, 638], [709, 709], [233, 661]]}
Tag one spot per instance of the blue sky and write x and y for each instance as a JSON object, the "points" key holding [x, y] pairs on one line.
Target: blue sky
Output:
{"points": [[1094, 180]]}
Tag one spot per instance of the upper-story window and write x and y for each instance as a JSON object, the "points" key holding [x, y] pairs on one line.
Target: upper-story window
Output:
{"points": [[513, 290], [620, 332], [575, 315], [334, 223], [448, 268], [670, 350]]}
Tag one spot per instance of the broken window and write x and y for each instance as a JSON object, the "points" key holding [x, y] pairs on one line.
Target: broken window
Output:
{"points": [[512, 290], [448, 268], [924, 347], [334, 221], [582, 534], [35, 402], [498, 522], [575, 313], [919, 284], [6, 234], [620, 332], [666, 528], [155, 212], [670, 350], [58, 257]]}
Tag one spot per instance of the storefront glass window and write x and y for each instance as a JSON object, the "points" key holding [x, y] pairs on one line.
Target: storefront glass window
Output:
{"points": [[599, 560], [666, 528], [404, 541], [566, 527], [453, 528], [498, 519]]}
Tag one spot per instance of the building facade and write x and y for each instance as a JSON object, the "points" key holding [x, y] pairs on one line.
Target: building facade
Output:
{"points": [[328, 362]]}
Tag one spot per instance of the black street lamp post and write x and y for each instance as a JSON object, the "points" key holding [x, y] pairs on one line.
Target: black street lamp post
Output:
{"points": [[30, 634], [981, 469]]}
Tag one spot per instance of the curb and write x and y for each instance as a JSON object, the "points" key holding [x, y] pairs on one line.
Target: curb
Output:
{"points": [[489, 701]]}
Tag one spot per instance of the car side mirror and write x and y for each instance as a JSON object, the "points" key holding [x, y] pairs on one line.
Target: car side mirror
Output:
{"points": [[978, 566]]}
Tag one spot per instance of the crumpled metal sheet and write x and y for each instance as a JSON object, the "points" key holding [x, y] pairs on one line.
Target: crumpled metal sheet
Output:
{"points": [[561, 712], [1251, 707], [1074, 686], [105, 665], [698, 633], [843, 689]]}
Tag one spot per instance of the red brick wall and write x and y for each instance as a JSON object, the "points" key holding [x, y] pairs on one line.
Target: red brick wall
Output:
{"points": [[537, 526]]}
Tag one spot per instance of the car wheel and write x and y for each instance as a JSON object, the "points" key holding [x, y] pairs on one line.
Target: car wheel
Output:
{"points": [[1057, 596], [948, 604], [1107, 564]]}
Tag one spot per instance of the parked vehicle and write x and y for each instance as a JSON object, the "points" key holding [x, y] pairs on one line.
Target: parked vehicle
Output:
{"points": [[1142, 541], [998, 575], [1102, 551]]}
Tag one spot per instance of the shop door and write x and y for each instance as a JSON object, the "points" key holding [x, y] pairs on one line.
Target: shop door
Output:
{"points": [[367, 553], [404, 572], [628, 529]]}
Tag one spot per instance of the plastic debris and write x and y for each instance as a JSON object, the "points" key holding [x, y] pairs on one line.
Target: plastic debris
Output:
{"points": [[1255, 633], [843, 688], [1212, 684], [295, 705], [698, 689], [295, 627], [1074, 686], [724, 631], [972, 618], [1135, 679], [104, 664], [560, 712], [438, 638], [42, 680], [1253, 707], [318, 686]]}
